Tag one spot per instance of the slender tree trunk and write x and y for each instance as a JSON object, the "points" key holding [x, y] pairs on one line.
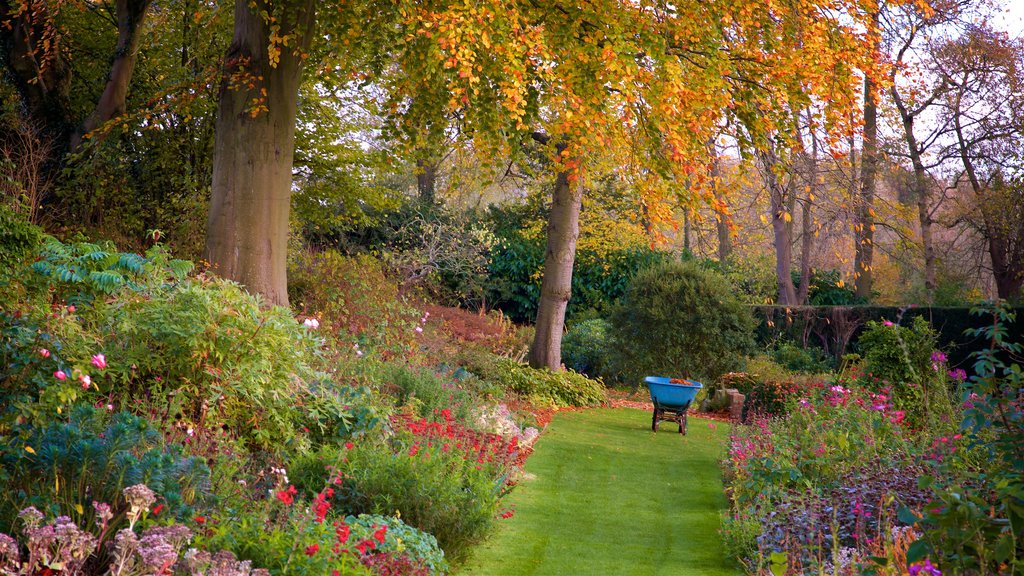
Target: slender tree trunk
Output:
{"points": [[686, 231], [130, 16], [721, 219], [807, 222], [781, 228], [556, 284], [247, 234], [921, 192], [864, 229]]}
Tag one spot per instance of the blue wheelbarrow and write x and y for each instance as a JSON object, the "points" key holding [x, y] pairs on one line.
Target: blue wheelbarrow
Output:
{"points": [[671, 399]]}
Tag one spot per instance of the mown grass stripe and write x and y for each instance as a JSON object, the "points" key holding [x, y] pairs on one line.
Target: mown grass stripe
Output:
{"points": [[610, 497]]}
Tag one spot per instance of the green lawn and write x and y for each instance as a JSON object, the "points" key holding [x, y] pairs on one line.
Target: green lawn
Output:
{"points": [[611, 497]]}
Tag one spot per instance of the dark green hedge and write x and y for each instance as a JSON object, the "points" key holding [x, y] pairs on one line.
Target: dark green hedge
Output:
{"points": [[837, 328]]}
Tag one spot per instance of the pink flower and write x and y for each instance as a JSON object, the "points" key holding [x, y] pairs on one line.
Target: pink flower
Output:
{"points": [[886, 323], [44, 352], [311, 323], [71, 308], [85, 380], [60, 375], [419, 329], [99, 361]]}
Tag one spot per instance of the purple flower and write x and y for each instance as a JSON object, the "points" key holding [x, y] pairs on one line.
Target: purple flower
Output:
{"points": [[925, 568], [958, 375]]}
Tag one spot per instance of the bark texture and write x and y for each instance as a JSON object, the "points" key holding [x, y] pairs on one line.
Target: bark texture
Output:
{"points": [[426, 181], [556, 284], [247, 233], [864, 229], [782, 229]]}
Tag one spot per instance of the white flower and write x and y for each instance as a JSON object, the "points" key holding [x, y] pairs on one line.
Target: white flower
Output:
{"points": [[311, 323]]}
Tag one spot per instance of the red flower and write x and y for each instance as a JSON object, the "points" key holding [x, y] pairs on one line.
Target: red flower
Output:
{"points": [[379, 534], [348, 445], [157, 509], [313, 549], [287, 496], [364, 546], [200, 520], [342, 531]]}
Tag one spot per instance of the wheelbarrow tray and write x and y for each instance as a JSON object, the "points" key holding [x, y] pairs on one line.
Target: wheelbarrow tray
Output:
{"points": [[671, 400]]}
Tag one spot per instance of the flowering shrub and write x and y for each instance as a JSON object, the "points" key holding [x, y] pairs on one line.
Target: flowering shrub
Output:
{"points": [[904, 359], [356, 300], [399, 542], [440, 477]]}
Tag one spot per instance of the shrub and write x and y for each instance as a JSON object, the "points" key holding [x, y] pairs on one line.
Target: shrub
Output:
{"points": [[769, 389], [586, 347], [400, 539], [681, 320], [94, 455], [439, 491], [809, 360], [904, 359], [539, 386], [424, 391], [354, 298], [18, 238]]}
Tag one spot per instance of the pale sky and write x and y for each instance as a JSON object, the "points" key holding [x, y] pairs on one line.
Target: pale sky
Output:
{"points": [[1012, 18]]}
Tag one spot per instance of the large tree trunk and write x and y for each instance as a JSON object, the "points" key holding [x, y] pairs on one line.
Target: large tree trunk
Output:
{"points": [[556, 285], [864, 228], [130, 15], [426, 181], [781, 228], [247, 234]]}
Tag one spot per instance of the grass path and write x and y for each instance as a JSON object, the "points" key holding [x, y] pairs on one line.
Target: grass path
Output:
{"points": [[610, 497]]}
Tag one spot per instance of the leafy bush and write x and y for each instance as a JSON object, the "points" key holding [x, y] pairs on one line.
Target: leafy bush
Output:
{"points": [[94, 455], [681, 320], [810, 360], [400, 539], [18, 238], [539, 386], [439, 491], [586, 347], [904, 359], [769, 389], [354, 298]]}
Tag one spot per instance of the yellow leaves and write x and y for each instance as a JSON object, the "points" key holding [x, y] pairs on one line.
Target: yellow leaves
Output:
{"points": [[29, 449], [786, 216]]}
